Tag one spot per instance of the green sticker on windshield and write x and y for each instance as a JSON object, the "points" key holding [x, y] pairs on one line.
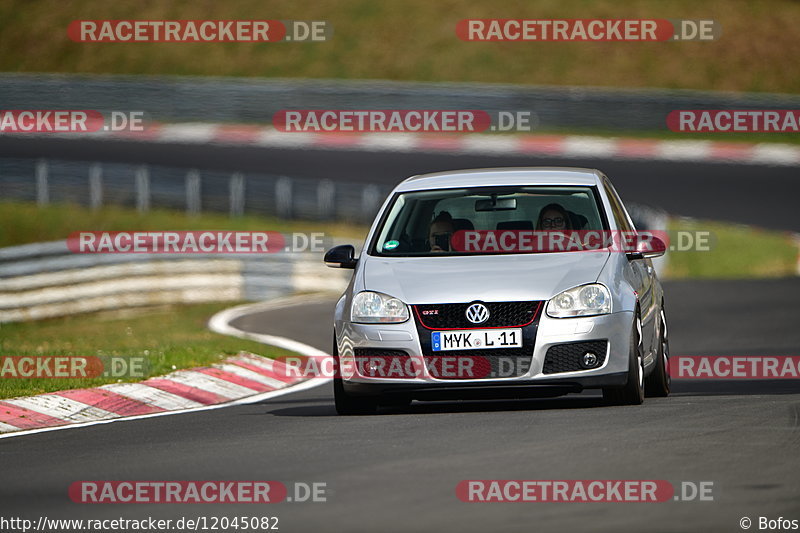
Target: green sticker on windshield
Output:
{"points": [[391, 245]]}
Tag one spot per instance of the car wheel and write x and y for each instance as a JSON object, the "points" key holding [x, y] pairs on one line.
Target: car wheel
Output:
{"points": [[632, 393], [346, 404], [658, 382]]}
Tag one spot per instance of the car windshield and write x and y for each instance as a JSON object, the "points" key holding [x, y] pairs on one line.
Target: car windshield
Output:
{"points": [[471, 221]]}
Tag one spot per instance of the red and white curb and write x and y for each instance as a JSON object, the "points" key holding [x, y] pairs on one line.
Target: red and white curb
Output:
{"points": [[565, 146], [245, 378]]}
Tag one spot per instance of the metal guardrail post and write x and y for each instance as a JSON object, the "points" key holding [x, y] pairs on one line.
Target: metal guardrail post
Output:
{"points": [[326, 194], [142, 189], [95, 186], [42, 189], [283, 197], [193, 185], [236, 189], [370, 198]]}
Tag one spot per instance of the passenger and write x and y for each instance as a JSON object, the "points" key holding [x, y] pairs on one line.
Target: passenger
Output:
{"points": [[553, 217], [554, 220], [440, 232]]}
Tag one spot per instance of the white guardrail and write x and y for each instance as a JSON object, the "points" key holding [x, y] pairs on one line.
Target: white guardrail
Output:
{"points": [[46, 280]]}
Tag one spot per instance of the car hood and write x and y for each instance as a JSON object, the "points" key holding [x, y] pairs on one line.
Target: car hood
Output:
{"points": [[420, 280]]}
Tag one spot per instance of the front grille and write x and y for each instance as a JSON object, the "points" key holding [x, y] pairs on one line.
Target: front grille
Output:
{"points": [[569, 357], [478, 364], [378, 352], [453, 316]]}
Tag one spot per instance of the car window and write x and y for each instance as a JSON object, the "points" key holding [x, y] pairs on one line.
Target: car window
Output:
{"points": [[620, 213], [424, 222]]}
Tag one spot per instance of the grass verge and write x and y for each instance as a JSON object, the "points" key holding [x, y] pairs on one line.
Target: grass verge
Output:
{"points": [[22, 222], [416, 40], [735, 251], [167, 338]]}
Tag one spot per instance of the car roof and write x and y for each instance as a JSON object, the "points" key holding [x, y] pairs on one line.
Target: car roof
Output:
{"points": [[502, 176]]}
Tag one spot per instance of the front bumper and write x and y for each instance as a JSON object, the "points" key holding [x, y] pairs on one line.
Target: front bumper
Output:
{"points": [[614, 328]]}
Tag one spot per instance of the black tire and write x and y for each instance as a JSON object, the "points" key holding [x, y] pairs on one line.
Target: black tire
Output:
{"points": [[346, 404], [657, 384], [632, 393]]}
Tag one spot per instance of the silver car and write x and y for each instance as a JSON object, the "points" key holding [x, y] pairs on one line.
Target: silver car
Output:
{"points": [[456, 295]]}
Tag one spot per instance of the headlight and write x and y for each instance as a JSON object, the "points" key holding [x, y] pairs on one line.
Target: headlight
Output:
{"points": [[586, 300], [374, 307]]}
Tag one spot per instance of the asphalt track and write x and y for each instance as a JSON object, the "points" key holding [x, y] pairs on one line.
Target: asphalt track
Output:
{"points": [[397, 471], [764, 196]]}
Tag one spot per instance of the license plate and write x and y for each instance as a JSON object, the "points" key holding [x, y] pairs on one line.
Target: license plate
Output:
{"points": [[476, 339]]}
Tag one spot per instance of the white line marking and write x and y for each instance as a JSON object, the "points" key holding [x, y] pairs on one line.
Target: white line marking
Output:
{"points": [[219, 386], [284, 139], [193, 132], [684, 150], [775, 154], [489, 144], [575, 146], [63, 408], [260, 362], [253, 376], [393, 142], [218, 320], [152, 396], [7, 427], [221, 324]]}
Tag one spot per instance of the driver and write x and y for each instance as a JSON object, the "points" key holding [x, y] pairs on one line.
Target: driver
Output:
{"points": [[440, 231]]}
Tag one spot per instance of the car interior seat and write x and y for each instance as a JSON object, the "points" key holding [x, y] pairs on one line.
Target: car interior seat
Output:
{"points": [[515, 225], [463, 224], [578, 221]]}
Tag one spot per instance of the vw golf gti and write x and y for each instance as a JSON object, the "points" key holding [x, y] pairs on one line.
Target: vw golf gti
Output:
{"points": [[500, 283]]}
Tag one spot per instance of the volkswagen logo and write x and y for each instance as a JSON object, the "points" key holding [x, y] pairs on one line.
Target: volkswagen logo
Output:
{"points": [[477, 313]]}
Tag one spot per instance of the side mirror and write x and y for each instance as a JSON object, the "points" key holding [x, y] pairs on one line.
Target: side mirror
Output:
{"points": [[343, 256], [647, 246]]}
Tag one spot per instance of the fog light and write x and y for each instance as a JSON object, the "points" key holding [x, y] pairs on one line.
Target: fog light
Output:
{"points": [[589, 360]]}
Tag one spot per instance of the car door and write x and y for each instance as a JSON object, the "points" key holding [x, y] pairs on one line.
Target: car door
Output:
{"points": [[642, 276]]}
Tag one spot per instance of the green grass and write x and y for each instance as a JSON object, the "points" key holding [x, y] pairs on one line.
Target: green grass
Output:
{"points": [[169, 337], [416, 40], [22, 223], [736, 251]]}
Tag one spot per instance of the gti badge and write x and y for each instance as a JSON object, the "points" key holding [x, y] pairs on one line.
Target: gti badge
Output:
{"points": [[477, 313]]}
